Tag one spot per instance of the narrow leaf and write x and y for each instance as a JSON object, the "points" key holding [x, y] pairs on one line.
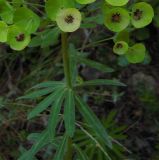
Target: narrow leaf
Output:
{"points": [[54, 116], [102, 82], [69, 113], [41, 141], [37, 94], [93, 121], [77, 56], [47, 84], [44, 104], [94, 64], [62, 149], [73, 64]]}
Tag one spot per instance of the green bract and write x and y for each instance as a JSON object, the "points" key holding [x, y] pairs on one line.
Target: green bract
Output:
{"points": [[3, 31], [17, 39], [117, 2], [120, 47], [52, 7], [6, 12], [122, 36], [136, 53], [142, 14], [117, 19], [85, 1], [68, 20], [17, 3], [26, 20]]}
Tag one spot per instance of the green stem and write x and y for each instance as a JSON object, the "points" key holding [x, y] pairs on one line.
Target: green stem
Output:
{"points": [[66, 63], [69, 152], [93, 44]]}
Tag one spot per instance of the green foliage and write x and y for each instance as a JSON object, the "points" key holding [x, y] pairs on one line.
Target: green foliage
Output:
{"points": [[61, 149], [136, 53], [53, 7], [85, 1], [69, 113], [93, 121], [26, 20], [93, 147], [117, 3], [6, 12], [22, 26], [3, 31]]}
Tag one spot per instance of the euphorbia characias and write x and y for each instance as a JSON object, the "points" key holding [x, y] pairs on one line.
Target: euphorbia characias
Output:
{"points": [[19, 24]]}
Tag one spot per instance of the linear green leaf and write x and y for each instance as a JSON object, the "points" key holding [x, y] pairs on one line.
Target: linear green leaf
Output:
{"points": [[45, 103], [48, 84], [77, 56], [41, 141], [54, 116], [94, 64], [62, 149], [102, 82], [100, 146], [37, 94], [69, 113], [93, 121]]}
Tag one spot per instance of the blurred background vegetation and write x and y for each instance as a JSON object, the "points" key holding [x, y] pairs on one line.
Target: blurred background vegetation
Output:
{"points": [[130, 114]]}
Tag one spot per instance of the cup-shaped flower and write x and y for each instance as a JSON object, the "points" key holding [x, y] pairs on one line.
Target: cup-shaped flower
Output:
{"points": [[69, 19], [117, 2], [17, 39], [136, 53], [85, 1], [117, 19], [142, 14], [120, 48]]}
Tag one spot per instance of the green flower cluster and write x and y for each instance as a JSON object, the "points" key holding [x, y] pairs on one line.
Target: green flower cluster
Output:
{"points": [[18, 22], [16, 25], [118, 18]]}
